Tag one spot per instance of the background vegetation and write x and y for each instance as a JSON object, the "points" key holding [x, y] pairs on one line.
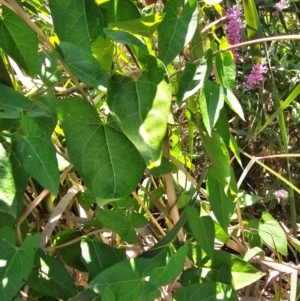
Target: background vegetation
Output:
{"points": [[149, 150]]}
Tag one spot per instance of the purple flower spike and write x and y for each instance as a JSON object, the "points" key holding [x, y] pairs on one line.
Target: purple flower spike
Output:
{"points": [[234, 26], [281, 194], [256, 75], [280, 5]]}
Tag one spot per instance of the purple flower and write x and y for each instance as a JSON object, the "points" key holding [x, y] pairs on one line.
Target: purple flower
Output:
{"points": [[280, 5], [256, 75], [234, 26], [281, 194]]}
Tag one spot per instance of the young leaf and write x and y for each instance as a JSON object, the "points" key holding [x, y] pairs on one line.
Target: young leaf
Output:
{"points": [[177, 28], [166, 274], [243, 273], [193, 77], [225, 69], [145, 26], [211, 101], [203, 230], [108, 162], [16, 262], [210, 291], [13, 103], [272, 234], [34, 149], [217, 150], [222, 205], [122, 222], [126, 280], [98, 256], [141, 107], [83, 65], [49, 277], [77, 21], [18, 40]]}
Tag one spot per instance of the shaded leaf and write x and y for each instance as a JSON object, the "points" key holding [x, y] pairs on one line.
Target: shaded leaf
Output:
{"points": [[108, 162], [121, 10], [83, 65], [166, 274], [210, 291], [225, 69], [16, 262], [211, 101], [193, 77], [122, 222], [222, 205], [77, 21], [18, 40], [177, 28], [50, 277], [141, 107], [126, 280], [272, 234], [35, 151], [13, 103], [203, 230], [98, 256]]}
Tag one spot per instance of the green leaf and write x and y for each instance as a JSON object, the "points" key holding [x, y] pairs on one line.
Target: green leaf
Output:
{"points": [[36, 153], [48, 69], [247, 199], [233, 103], [103, 50], [16, 262], [125, 38], [86, 295], [166, 274], [83, 65], [13, 104], [18, 40], [98, 256], [141, 108], [145, 26], [243, 273], [222, 127], [254, 238], [71, 255], [225, 69], [222, 205], [177, 28], [211, 101], [203, 230], [235, 149], [77, 21], [122, 222], [121, 10], [49, 277], [13, 181], [217, 150], [272, 234], [107, 161], [210, 291], [126, 280], [164, 167], [194, 77]]}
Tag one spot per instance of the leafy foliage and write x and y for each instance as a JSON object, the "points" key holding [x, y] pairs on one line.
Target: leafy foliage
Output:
{"points": [[127, 141]]}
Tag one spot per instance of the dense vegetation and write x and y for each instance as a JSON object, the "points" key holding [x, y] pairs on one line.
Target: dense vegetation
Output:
{"points": [[149, 152]]}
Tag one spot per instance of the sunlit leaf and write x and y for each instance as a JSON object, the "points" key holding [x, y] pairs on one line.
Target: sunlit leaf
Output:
{"points": [[140, 108]]}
